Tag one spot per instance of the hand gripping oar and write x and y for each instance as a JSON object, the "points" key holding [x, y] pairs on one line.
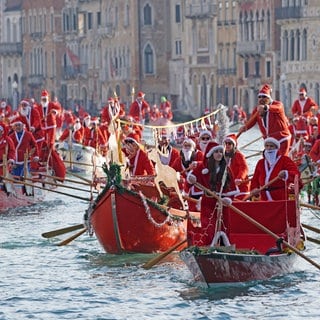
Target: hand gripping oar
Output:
{"points": [[161, 256], [54, 233], [258, 225], [75, 236], [262, 188]]}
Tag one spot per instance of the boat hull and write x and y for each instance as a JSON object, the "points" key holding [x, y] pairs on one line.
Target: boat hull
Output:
{"points": [[18, 197], [125, 222], [222, 267]]}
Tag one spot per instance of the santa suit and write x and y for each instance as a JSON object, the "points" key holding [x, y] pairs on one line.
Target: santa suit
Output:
{"points": [[273, 124], [110, 112], [239, 168], [169, 155], [93, 137], [264, 173], [138, 110], [165, 110], [141, 165], [315, 151], [48, 116], [7, 148], [25, 144], [203, 236], [303, 107], [76, 135]]}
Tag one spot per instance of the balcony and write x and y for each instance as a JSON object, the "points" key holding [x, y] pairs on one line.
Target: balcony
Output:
{"points": [[72, 72], [289, 13], [107, 31], [251, 48], [35, 80], [200, 11], [8, 48]]}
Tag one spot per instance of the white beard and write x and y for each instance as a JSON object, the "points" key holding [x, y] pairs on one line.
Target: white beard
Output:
{"points": [[77, 126], [44, 104], [187, 154], [203, 145], [271, 156], [87, 122], [25, 112]]}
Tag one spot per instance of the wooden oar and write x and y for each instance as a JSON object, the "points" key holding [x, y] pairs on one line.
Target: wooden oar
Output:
{"points": [[313, 240], [75, 236], [311, 228], [54, 233], [161, 256], [51, 190], [33, 180], [80, 163], [254, 155], [80, 177], [258, 225], [262, 188], [66, 179]]}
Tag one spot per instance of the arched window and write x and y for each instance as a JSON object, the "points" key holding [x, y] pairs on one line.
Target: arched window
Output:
{"points": [[148, 60], [147, 15], [304, 45], [291, 56]]}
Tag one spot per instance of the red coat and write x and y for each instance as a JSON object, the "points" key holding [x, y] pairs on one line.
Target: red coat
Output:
{"points": [[263, 174], [304, 107], [138, 110], [171, 157], [49, 121], [93, 137], [25, 145], [275, 126], [141, 165], [6, 147], [315, 151], [76, 136], [239, 168]]}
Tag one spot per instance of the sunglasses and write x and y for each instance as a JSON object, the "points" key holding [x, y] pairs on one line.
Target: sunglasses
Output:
{"points": [[129, 141], [205, 138], [229, 143]]}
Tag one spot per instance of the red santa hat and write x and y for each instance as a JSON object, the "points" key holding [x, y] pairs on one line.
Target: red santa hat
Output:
{"points": [[189, 141], [272, 140], [206, 111], [205, 132], [265, 91], [3, 104], [303, 91], [110, 100], [211, 148], [44, 94], [231, 137], [25, 102], [95, 120], [134, 137], [141, 94], [16, 121]]}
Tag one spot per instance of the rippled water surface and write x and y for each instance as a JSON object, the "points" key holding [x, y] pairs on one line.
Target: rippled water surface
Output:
{"points": [[39, 280]]}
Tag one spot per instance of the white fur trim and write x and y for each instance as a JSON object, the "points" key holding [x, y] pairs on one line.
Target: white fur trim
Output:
{"points": [[272, 140], [205, 171], [212, 150]]}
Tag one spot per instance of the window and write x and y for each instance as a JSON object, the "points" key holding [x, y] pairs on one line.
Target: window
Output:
{"points": [[178, 47], [268, 69], [147, 15], [99, 19], [178, 13], [89, 20], [246, 69], [148, 60], [257, 68]]}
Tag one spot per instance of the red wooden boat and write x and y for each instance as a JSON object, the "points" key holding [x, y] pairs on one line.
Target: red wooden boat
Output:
{"points": [[125, 221], [251, 252], [13, 195]]}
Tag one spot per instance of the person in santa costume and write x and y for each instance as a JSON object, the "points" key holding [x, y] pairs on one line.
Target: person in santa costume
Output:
{"points": [[111, 111], [5, 109], [31, 119], [139, 108], [168, 154], [272, 165], [48, 111], [304, 105], [205, 136], [7, 150], [165, 108], [26, 148], [93, 137], [74, 133], [237, 162], [214, 174], [270, 116], [137, 159]]}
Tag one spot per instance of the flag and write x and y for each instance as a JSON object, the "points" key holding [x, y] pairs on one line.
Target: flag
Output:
{"points": [[75, 60]]}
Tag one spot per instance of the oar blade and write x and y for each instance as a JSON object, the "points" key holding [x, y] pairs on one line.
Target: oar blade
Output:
{"points": [[54, 233], [158, 258], [75, 236]]}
